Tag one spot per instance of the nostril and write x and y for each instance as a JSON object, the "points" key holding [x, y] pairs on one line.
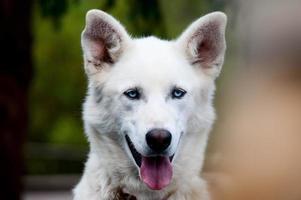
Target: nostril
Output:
{"points": [[158, 139]]}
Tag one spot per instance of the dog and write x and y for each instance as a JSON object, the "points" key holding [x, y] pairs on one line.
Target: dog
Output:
{"points": [[148, 110]]}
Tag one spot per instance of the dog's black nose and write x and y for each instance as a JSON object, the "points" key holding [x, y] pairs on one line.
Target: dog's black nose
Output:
{"points": [[158, 139]]}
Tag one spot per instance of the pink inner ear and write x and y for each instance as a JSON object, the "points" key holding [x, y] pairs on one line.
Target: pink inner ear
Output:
{"points": [[99, 51], [210, 43], [100, 35]]}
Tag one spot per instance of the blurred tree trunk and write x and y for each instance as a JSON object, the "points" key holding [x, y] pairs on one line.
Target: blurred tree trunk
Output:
{"points": [[15, 76]]}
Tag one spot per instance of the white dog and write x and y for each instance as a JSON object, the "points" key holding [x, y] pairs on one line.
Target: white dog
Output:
{"points": [[149, 109]]}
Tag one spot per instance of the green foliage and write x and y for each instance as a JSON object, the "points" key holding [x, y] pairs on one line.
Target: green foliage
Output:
{"points": [[59, 83], [54, 9], [141, 18]]}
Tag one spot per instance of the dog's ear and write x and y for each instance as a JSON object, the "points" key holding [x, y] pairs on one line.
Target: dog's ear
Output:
{"points": [[203, 42], [103, 41]]}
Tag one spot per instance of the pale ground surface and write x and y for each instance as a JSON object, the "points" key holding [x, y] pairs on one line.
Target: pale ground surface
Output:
{"points": [[49, 187], [55, 195]]}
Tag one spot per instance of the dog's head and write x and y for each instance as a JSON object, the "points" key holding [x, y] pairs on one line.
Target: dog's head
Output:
{"points": [[149, 93]]}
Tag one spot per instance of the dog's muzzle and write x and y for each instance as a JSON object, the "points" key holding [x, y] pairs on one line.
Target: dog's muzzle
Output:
{"points": [[155, 169]]}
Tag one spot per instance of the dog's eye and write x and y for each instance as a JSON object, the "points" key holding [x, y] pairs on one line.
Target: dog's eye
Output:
{"points": [[177, 93], [132, 94]]}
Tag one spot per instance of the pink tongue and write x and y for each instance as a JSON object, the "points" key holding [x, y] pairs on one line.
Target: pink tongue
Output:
{"points": [[156, 172]]}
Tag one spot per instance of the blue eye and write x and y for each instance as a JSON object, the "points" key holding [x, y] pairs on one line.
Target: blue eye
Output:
{"points": [[133, 94], [177, 93]]}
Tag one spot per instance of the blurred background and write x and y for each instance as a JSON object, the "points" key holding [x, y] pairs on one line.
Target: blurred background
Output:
{"points": [[254, 149]]}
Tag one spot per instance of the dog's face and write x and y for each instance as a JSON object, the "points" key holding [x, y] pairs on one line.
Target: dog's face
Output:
{"points": [[149, 93]]}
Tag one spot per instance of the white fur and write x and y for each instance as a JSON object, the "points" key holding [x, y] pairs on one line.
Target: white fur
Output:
{"points": [[155, 66]]}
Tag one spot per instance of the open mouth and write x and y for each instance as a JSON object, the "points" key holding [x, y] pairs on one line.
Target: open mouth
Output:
{"points": [[136, 155], [155, 171]]}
